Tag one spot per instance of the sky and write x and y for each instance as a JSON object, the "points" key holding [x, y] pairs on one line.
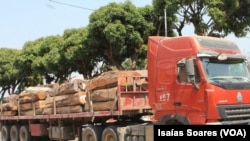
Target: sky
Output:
{"points": [[28, 20]]}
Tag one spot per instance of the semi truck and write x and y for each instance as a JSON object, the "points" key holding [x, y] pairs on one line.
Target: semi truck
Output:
{"points": [[190, 80]]}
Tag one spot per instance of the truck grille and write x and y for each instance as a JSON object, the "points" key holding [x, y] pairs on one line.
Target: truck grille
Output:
{"points": [[233, 112]]}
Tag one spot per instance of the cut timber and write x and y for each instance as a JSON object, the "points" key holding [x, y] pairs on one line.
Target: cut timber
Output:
{"points": [[46, 90], [53, 85], [105, 80], [110, 79], [27, 113], [70, 87], [9, 113], [103, 95], [29, 106], [26, 97], [11, 106], [11, 98], [69, 109], [50, 100], [101, 106], [73, 99]]}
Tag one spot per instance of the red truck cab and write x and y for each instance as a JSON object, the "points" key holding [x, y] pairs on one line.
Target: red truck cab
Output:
{"points": [[198, 80]]}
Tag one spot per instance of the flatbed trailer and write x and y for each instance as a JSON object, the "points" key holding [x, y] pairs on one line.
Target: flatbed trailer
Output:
{"points": [[132, 103]]}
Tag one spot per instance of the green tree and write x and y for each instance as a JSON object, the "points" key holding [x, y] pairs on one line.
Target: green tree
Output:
{"points": [[76, 53], [9, 74], [117, 32], [208, 17], [25, 63], [49, 61]]}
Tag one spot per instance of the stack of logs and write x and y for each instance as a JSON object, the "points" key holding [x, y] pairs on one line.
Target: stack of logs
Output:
{"points": [[74, 96], [102, 90], [69, 97]]}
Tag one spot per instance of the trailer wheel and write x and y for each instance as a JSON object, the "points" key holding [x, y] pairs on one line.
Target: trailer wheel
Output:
{"points": [[14, 133], [24, 133], [91, 133], [110, 134], [5, 133]]}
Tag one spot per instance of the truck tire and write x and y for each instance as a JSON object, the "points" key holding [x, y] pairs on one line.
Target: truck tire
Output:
{"points": [[110, 134], [91, 133], [5, 133], [24, 133], [14, 133]]}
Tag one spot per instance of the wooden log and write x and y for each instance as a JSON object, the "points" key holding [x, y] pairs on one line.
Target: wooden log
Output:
{"points": [[9, 113], [47, 90], [69, 109], [41, 95], [105, 80], [50, 100], [11, 98], [73, 99], [29, 106], [27, 113], [101, 106], [11, 106], [27, 97], [137, 77], [103, 95], [70, 87], [110, 79], [52, 85]]}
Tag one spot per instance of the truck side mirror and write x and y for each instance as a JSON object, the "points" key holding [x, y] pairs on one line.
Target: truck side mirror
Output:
{"points": [[190, 70]]}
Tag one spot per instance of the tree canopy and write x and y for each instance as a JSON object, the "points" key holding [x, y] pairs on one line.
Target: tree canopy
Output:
{"points": [[118, 32], [208, 17]]}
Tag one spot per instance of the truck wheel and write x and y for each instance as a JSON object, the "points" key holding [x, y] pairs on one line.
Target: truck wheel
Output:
{"points": [[5, 133], [109, 134], [14, 133], [24, 133], [91, 133]]}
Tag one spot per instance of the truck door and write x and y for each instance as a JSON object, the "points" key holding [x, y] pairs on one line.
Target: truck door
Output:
{"points": [[164, 88], [189, 99]]}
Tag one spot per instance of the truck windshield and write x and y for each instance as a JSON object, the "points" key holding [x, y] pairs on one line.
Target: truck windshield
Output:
{"points": [[230, 70]]}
